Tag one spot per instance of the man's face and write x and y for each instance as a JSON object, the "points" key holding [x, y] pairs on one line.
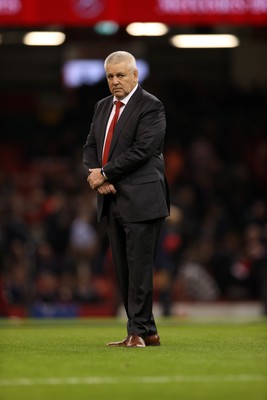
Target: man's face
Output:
{"points": [[121, 80]]}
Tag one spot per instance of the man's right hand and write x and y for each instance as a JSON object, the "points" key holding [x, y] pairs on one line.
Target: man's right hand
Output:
{"points": [[106, 188]]}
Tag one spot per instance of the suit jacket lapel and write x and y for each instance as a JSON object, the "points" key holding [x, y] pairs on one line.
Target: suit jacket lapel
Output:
{"points": [[129, 108]]}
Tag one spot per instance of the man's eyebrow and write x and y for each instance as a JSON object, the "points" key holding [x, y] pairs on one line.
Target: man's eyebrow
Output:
{"points": [[118, 73]]}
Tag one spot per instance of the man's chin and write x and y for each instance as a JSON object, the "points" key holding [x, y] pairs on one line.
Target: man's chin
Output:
{"points": [[118, 93]]}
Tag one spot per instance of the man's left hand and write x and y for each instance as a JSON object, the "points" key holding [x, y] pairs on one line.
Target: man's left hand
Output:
{"points": [[95, 178]]}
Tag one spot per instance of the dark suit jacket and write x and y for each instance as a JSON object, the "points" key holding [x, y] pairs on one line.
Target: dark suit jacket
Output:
{"points": [[136, 164]]}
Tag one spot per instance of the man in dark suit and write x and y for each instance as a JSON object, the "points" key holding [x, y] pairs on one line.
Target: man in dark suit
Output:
{"points": [[132, 189]]}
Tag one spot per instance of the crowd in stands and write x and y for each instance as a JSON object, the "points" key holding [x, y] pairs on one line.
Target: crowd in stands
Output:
{"points": [[214, 244]]}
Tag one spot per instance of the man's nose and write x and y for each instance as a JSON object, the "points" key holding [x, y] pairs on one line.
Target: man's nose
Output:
{"points": [[115, 80]]}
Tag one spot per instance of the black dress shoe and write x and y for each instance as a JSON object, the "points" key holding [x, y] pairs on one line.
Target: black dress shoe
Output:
{"points": [[152, 340]]}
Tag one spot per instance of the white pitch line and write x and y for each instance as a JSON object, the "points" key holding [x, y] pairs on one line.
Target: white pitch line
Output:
{"points": [[98, 380]]}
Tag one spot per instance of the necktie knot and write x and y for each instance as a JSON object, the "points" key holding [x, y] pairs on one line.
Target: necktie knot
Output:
{"points": [[118, 104]]}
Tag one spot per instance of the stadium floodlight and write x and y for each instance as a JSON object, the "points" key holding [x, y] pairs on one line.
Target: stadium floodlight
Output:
{"points": [[205, 41], [44, 38], [147, 29]]}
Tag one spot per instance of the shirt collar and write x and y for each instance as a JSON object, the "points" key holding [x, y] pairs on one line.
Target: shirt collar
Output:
{"points": [[127, 98]]}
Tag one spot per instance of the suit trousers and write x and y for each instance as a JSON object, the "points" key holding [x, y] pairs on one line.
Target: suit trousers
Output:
{"points": [[134, 246]]}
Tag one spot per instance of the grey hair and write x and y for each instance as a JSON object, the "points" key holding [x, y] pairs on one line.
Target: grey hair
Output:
{"points": [[121, 56]]}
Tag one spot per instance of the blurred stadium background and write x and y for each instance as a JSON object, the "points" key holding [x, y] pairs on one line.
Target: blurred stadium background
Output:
{"points": [[55, 258]]}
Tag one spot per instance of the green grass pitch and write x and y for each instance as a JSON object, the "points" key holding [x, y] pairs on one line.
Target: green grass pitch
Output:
{"points": [[69, 360]]}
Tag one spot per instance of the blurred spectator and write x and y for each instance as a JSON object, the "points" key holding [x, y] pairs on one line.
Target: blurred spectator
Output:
{"points": [[57, 221], [17, 269], [195, 278], [167, 259], [84, 247]]}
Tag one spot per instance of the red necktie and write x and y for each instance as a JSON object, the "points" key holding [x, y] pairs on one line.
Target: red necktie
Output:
{"points": [[111, 128]]}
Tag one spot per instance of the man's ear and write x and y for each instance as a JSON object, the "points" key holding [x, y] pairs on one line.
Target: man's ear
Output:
{"points": [[136, 75]]}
